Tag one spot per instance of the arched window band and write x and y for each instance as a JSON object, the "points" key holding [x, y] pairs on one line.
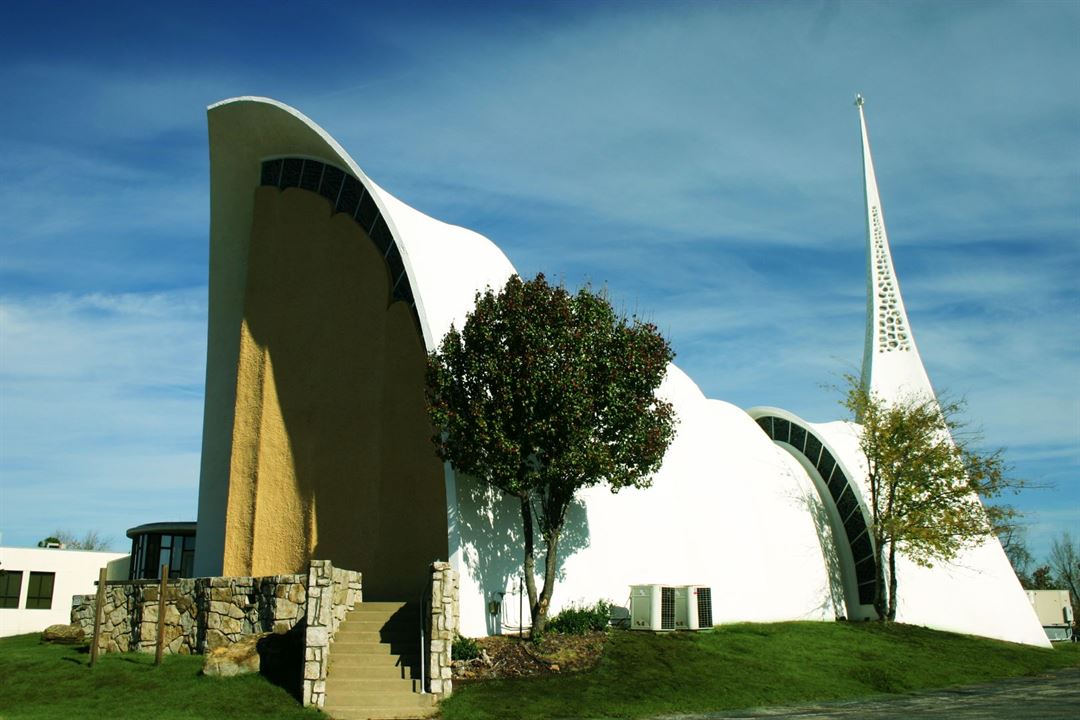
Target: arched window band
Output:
{"points": [[843, 495], [346, 194]]}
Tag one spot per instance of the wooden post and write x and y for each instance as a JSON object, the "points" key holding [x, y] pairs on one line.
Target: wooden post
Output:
{"points": [[161, 614], [99, 603]]}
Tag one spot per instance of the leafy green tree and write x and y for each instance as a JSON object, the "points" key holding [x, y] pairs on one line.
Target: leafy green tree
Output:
{"points": [[543, 393], [925, 480], [1065, 563]]}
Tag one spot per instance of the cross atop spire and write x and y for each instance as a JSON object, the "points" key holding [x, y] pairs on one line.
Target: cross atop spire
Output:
{"points": [[892, 367]]}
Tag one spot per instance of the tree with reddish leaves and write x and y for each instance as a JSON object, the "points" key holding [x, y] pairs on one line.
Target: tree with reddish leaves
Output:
{"points": [[543, 393]]}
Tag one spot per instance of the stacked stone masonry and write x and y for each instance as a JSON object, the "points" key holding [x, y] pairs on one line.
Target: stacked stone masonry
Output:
{"points": [[200, 613], [206, 613], [332, 592], [443, 627]]}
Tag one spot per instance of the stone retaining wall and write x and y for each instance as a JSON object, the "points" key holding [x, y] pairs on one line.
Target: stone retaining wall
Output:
{"points": [[332, 592], [200, 613], [443, 628], [206, 613]]}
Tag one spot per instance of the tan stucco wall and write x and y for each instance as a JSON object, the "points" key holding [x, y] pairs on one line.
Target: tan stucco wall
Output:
{"points": [[331, 454]]}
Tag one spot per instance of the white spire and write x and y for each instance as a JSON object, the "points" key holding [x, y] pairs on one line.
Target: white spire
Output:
{"points": [[891, 367]]}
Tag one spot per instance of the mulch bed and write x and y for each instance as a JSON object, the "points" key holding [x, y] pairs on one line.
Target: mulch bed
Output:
{"points": [[504, 656]]}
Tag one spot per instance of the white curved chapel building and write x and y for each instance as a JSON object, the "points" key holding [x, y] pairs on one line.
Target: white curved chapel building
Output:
{"points": [[326, 294]]}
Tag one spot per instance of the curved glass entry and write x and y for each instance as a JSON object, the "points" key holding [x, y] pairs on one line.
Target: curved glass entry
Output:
{"points": [[157, 544]]}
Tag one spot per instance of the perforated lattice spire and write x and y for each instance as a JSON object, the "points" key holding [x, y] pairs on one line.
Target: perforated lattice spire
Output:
{"points": [[891, 363]]}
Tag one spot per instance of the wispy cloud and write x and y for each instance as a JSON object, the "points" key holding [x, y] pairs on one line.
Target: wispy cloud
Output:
{"points": [[101, 410], [709, 123]]}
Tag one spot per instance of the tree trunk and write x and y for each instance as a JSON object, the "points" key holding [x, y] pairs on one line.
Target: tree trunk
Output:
{"points": [[892, 581], [530, 554], [551, 563], [880, 601]]}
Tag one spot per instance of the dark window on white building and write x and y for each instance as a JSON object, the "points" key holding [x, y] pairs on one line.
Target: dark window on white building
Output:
{"points": [[10, 586], [39, 590]]}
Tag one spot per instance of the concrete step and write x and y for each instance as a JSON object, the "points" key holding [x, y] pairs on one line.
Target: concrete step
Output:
{"points": [[375, 637], [374, 656], [373, 659], [385, 610], [377, 621], [352, 625], [376, 649], [374, 699], [353, 667], [342, 686], [375, 665], [389, 607], [393, 627], [379, 713]]}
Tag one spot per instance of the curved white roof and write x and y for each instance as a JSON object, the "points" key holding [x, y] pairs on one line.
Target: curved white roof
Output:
{"points": [[446, 264]]}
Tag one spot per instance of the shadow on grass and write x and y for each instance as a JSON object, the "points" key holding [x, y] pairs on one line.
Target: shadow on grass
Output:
{"points": [[281, 660]]}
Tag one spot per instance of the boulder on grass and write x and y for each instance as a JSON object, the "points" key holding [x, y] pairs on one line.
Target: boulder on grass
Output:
{"points": [[239, 658], [64, 635]]}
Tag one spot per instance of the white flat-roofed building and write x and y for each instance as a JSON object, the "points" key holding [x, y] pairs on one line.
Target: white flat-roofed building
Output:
{"points": [[37, 584], [1055, 612]]}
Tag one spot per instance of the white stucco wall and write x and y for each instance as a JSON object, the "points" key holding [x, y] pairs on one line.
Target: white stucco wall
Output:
{"points": [[728, 509], [76, 572], [977, 593]]}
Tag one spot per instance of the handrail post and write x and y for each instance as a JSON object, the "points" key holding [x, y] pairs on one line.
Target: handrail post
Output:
{"points": [[423, 655]]}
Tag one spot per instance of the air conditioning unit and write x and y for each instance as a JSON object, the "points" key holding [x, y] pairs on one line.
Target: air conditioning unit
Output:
{"points": [[652, 607], [699, 607], [670, 607]]}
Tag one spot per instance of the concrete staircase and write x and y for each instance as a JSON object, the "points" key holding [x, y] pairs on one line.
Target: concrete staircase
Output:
{"points": [[374, 667]]}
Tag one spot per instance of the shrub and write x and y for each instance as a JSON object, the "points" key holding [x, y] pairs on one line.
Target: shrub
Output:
{"points": [[581, 619], [464, 649]]}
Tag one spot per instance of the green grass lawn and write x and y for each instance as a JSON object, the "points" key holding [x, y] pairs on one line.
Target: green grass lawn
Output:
{"points": [[640, 674], [42, 681], [748, 665]]}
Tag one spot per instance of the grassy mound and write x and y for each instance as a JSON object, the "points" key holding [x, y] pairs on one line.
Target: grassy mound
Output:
{"points": [[749, 665]]}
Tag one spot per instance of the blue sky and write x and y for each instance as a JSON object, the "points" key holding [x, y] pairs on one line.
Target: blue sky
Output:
{"points": [[701, 160]]}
